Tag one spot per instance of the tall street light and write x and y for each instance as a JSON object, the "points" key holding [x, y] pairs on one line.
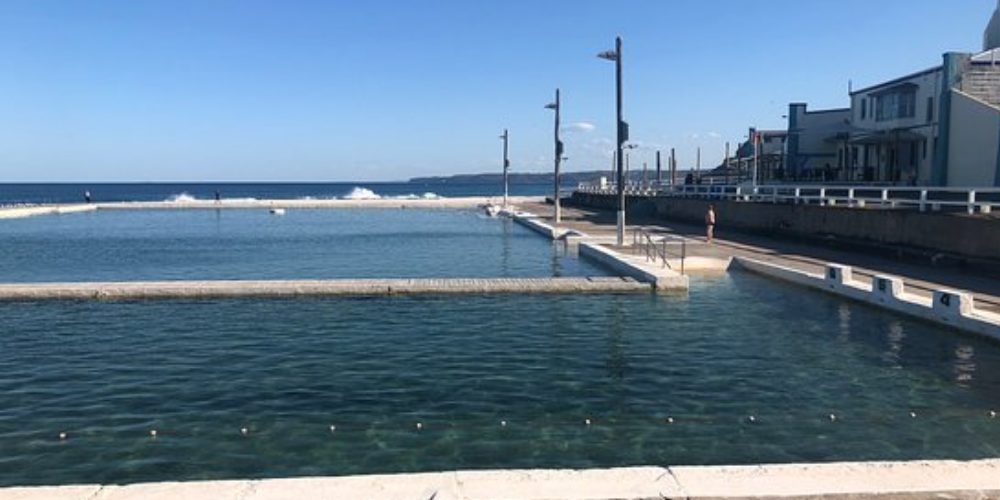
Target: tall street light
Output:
{"points": [[506, 165], [559, 152], [616, 56]]}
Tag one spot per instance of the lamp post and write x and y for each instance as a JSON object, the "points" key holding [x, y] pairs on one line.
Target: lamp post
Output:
{"points": [[558, 161], [616, 56], [506, 165]]}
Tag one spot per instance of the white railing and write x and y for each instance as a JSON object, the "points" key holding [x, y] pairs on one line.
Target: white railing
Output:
{"points": [[972, 200]]}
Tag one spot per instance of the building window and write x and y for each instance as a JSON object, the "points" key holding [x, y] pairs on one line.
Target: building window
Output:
{"points": [[930, 110], [896, 106], [864, 108], [923, 144]]}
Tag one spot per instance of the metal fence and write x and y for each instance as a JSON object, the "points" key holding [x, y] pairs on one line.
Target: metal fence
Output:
{"points": [[970, 200]]}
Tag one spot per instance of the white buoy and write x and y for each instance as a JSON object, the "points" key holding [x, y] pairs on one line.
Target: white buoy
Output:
{"points": [[587, 421], [62, 436], [503, 423], [153, 433], [244, 431], [833, 418], [993, 414], [670, 420], [751, 419], [420, 426], [333, 428], [913, 414]]}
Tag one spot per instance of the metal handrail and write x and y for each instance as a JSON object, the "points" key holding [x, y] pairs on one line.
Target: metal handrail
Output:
{"points": [[983, 200], [642, 240]]}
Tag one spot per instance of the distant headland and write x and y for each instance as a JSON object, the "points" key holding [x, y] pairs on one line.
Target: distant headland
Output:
{"points": [[568, 178]]}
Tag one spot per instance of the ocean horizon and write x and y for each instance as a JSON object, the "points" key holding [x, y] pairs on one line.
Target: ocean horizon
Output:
{"points": [[74, 192]]}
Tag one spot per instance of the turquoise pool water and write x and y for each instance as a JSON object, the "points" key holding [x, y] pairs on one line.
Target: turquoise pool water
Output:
{"points": [[286, 370], [253, 244]]}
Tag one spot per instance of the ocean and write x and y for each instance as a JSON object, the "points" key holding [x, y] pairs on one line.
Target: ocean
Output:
{"points": [[116, 192]]}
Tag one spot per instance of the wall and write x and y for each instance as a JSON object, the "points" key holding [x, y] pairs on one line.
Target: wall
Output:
{"points": [[975, 137]]}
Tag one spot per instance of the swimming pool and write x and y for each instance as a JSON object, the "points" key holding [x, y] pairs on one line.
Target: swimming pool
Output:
{"points": [[287, 370], [253, 244]]}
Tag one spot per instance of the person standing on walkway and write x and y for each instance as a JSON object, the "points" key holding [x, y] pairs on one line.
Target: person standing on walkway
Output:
{"points": [[86, 196], [710, 224]]}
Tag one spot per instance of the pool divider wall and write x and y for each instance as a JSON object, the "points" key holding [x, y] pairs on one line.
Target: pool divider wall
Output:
{"points": [[23, 212], [951, 308], [834, 481], [332, 288]]}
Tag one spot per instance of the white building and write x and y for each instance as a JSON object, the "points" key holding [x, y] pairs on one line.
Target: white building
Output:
{"points": [[940, 126]]}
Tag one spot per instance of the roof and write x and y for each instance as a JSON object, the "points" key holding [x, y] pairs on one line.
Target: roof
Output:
{"points": [[898, 81]]}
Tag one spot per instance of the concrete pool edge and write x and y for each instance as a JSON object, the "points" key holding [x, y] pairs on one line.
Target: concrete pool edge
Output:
{"points": [[950, 308], [849, 480], [663, 279]]}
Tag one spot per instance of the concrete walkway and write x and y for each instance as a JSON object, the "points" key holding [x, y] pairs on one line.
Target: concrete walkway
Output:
{"points": [[919, 279], [847, 481]]}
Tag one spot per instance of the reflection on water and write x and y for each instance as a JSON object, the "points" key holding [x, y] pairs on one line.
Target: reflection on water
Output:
{"points": [[965, 364], [844, 313], [895, 338], [617, 359], [558, 254]]}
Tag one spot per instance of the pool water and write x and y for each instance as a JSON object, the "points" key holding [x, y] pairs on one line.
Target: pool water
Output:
{"points": [[737, 346], [253, 244]]}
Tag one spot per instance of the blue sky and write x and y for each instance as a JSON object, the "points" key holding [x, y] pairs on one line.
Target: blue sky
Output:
{"points": [[326, 90]]}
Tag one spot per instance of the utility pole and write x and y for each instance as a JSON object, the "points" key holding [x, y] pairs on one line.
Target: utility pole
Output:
{"points": [[659, 171], [727, 163], [506, 166], [616, 56], [559, 152], [673, 167]]}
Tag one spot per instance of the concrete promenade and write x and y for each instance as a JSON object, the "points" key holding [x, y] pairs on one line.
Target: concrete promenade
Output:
{"points": [[847, 481]]}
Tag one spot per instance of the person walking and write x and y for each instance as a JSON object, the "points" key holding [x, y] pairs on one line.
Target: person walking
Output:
{"points": [[86, 196], [710, 224]]}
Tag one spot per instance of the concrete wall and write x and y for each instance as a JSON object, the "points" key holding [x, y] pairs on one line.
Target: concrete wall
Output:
{"points": [[974, 237], [975, 137]]}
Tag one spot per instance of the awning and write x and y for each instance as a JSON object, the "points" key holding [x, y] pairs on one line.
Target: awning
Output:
{"points": [[888, 137]]}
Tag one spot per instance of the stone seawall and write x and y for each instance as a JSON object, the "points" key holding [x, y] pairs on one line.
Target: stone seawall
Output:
{"points": [[969, 237]]}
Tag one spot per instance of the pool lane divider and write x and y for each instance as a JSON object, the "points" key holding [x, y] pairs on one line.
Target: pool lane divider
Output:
{"points": [[316, 288], [952, 308], [916, 480], [663, 279]]}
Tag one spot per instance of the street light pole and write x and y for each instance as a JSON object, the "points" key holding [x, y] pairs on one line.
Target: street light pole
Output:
{"points": [[559, 152], [506, 166], [616, 56]]}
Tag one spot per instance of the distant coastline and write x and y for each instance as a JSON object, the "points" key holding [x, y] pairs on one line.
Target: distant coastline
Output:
{"points": [[568, 178]]}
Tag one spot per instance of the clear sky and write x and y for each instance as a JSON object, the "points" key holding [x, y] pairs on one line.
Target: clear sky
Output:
{"points": [[327, 90]]}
